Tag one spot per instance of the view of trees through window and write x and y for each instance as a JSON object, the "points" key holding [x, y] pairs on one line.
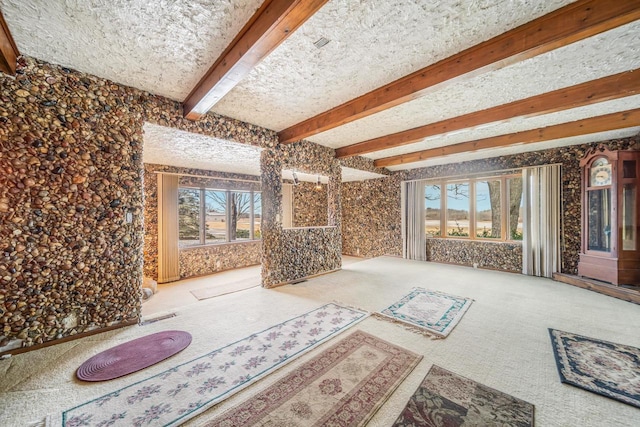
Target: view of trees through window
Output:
{"points": [[188, 216], [215, 210], [488, 209], [209, 216], [458, 209], [481, 208], [516, 205], [432, 196]]}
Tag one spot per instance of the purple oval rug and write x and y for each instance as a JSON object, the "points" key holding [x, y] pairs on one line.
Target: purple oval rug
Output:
{"points": [[133, 355]]}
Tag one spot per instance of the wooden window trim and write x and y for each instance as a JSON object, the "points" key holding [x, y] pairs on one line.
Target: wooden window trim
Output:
{"points": [[203, 242], [472, 181]]}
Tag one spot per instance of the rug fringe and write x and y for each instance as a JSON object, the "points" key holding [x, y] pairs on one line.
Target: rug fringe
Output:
{"points": [[407, 326]]}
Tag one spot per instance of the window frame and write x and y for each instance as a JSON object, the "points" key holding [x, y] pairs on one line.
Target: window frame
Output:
{"points": [[440, 207], [503, 211], [507, 197], [471, 194], [472, 183], [227, 216]]}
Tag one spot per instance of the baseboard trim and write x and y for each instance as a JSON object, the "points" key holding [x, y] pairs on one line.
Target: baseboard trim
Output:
{"points": [[620, 292], [69, 338]]}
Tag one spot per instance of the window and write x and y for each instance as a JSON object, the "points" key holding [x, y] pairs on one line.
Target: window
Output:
{"points": [[476, 208], [240, 215], [188, 216], [458, 209], [516, 206], [432, 209], [488, 209], [257, 216], [211, 216], [215, 210]]}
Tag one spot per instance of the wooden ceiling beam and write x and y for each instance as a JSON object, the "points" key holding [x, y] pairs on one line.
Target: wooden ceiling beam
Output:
{"points": [[574, 22], [608, 122], [272, 24], [8, 50], [594, 91]]}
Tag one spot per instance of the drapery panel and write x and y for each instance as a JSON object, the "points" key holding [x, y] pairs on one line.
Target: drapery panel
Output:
{"points": [[168, 265], [413, 234], [541, 220]]}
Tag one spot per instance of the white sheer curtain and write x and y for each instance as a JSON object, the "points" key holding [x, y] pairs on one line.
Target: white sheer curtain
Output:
{"points": [[168, 268], [541, 188], [413, 235]]}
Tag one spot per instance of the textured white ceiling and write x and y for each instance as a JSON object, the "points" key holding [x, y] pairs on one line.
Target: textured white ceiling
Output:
{"points": [[162, 46], [165, 46], [609, 53], [350, 174], [373, 42], [173, 147], [515, 149], [517, 124]]}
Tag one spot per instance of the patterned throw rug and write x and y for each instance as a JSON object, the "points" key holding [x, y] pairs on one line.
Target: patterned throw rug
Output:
{"points": [[428, 312], [447, 399], [180, 393], [342, 386], [603, 367]]}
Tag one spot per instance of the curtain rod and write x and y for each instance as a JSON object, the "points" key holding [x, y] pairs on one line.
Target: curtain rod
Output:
{"points": [[476, 174], [205, 176]]}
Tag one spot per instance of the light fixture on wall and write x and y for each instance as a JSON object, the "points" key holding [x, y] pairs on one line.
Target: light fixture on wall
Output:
{"points": [[296, 181], [318, 186]]}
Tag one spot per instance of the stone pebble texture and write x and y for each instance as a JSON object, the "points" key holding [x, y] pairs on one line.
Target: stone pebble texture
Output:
{"points": [[309, 205], [363, 236], [206, 259], [505, 256], [211, 259], [363, 163], [290, 254], [371, 217], [71, 169]]}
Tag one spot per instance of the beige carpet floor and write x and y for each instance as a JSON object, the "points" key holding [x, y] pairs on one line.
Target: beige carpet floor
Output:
{"points": [[501, 342], [178, 294], [229, 288]]}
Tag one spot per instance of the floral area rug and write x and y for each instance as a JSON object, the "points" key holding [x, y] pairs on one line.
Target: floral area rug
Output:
{"points": [[602, 367], [180, 393], [342, 386], [429, 312], [448, 399]]}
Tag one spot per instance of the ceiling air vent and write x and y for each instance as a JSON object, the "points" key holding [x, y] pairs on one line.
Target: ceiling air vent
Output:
{"points": [[321, 42]]}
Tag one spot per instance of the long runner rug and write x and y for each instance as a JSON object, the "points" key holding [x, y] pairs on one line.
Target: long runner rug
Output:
{"points": [[429, 312], [342, 386], [601, 367], [447, 399], [177, 394]]}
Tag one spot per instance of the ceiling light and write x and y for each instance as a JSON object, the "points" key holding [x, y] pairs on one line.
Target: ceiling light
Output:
{"points": [[318, 186], [321, 42]]}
